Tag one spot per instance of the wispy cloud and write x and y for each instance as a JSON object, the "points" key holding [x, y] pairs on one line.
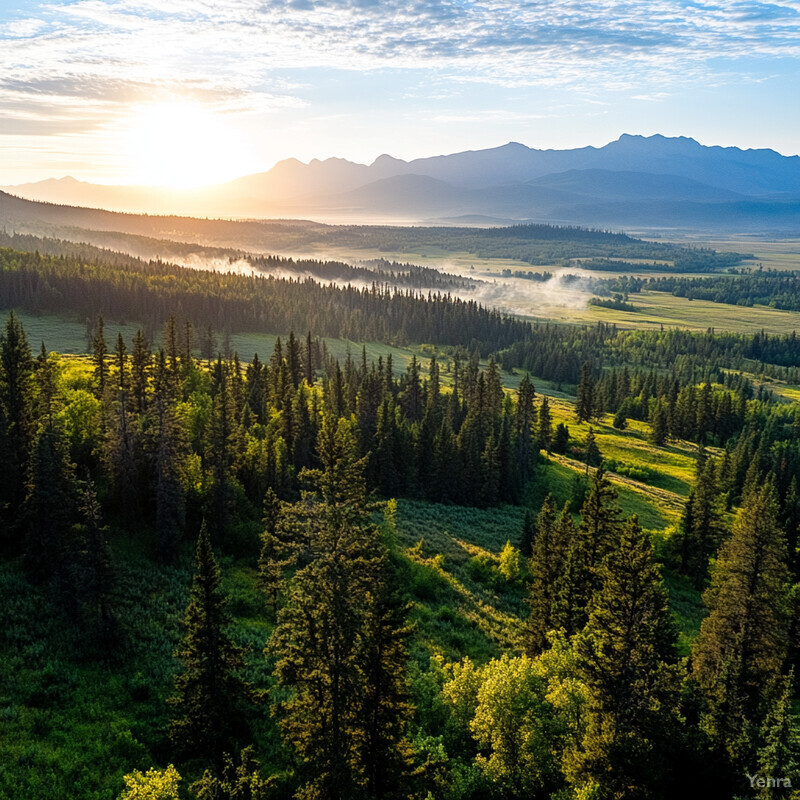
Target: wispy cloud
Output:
{"points": [[75, 66]]}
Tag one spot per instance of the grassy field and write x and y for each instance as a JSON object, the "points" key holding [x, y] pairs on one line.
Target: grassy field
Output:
{"points": [[780, 255], [657, 309]]}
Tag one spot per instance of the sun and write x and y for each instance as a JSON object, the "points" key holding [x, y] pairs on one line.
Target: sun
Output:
{"points": [[180, 145]]}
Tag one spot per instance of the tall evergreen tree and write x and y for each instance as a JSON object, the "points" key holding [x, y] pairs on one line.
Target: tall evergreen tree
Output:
{"points": [[223, 446], [386, 752], [702, 525], [141, 359], [546, 564], [273, 559], [168, 449], [327, 636], [626, 658], [585, 401], [99, 353], [545, 426], [208, 706], [593, 455], [16, 421], [742, 646], [523, 430], [660, 424], [50, 507], [596, 536]]}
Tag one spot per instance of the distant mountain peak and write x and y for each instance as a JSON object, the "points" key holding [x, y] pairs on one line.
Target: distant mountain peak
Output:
{"points": [[633, 180], [385, 158]]}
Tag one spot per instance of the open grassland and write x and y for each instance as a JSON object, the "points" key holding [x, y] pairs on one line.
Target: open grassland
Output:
{"points": [[657, 309], [783, 254]]}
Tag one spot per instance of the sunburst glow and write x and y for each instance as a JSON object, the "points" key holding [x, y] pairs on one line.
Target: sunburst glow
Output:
{"points": [[180, 145]]}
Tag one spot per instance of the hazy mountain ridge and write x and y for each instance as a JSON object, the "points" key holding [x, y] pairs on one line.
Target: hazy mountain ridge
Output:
{"points": [[632, 179]]}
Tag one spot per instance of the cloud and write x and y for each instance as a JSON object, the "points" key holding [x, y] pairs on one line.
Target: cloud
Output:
{"points": [[239, 42], [85, 62]]}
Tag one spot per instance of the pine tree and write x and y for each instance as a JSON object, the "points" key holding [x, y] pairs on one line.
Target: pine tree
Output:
{"points": [[16, 422], [46, 380], [702, 525], [273, 559], [660, 424], [545, 426], [546, 564], [294, 363], [92, 573], [411, 397], [561, 438], [170, 339], [168, 449], [208, 343], [777, 754], [308, 360], [187, 345], [99, 353], [386, 752], [120, 445], [208, 716], [523, 430], [585, 401], [596, 537], [50, 507], [626, 657], [222, 451], [743, 642], [324, 628], [141, 359], [593, 456]]}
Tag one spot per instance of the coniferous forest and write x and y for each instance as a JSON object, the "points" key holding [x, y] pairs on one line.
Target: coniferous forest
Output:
{"points": [[214, 583]]}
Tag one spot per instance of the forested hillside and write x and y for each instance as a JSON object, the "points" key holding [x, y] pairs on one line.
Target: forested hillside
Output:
{"points": [[540, 561]]}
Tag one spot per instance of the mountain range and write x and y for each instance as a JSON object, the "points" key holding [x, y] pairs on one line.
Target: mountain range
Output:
{"points": [[635, 182]]}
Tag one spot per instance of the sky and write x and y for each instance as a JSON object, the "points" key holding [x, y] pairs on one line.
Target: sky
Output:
{"points": [[189, 92]]}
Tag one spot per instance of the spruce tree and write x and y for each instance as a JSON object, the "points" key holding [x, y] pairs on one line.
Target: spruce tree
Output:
{"points": [[626, 658], [523, 430], [546, 564], [99, 353], [273, 559], [702, 525], [50, 507], [561, 438], [46, 380], [340, 707], [593, 455], [585, 401], [121, 454], [386, 753], [596, 536], [545, 426], [208, 707], [294, 363], [660, 424], [222, 453], [742, 646], [16, 421], [141, 359]]}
